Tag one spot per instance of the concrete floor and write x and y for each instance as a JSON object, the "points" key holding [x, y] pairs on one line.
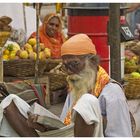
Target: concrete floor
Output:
{"points": [[56, 108]]}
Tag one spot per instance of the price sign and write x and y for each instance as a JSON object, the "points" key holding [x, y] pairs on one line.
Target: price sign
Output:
{"points": [[126, 33]]}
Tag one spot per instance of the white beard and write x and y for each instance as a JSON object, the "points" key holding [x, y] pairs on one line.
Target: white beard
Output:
{"points": [[83, 82]]}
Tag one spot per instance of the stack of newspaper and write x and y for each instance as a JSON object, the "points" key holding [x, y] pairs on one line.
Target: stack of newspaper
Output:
{"points": [[48, 118]]}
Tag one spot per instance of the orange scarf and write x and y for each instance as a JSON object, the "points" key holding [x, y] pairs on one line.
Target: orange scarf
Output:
{"points": [[102, 79], [54, 43]]}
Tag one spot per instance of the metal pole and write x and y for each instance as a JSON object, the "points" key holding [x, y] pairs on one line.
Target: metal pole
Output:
{"points": [[114, 41], [37, 40]]}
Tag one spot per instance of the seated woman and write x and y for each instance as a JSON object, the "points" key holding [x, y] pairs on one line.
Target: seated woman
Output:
{"points": [[51, 35]]}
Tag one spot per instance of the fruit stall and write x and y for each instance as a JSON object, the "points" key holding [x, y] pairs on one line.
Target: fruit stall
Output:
{"points": [[132, 79], [17, 74], [18, 68], [19, 65], [132, 68]]}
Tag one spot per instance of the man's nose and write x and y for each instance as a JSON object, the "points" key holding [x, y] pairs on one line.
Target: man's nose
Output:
{"points": [[69, 72]]}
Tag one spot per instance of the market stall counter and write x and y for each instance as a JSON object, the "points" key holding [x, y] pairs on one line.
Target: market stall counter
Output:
{"points": [[51, 76]]}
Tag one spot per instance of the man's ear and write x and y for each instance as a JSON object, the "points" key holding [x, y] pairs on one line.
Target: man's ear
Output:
{"points": [[95, 60]]}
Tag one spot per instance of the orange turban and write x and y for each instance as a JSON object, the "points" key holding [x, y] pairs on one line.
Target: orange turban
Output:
{"points": [[79, 44]]}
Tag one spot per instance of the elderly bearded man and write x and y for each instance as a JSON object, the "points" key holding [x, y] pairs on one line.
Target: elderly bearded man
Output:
{"points": [[86, 76], [93, 96]]}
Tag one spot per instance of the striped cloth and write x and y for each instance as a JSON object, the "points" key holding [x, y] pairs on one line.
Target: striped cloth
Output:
{"points": [[40, 93]]}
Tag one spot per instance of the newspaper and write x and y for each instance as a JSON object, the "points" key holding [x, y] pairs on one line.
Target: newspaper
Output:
{"points": [[45, 116]]}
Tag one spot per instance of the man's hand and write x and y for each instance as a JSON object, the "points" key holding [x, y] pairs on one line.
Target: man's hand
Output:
{"points": [[32, 122]]}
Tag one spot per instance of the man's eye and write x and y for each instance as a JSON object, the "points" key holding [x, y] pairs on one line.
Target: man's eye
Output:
{"points": [[76, 62]]}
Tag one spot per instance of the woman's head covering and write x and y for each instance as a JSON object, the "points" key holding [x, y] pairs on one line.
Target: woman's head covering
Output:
{"points": [[46, 20], [53, 43], [79, 44]]}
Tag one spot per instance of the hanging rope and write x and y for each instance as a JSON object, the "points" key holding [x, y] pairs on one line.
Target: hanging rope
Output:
{"points": [[37, 5], [24, 16]]}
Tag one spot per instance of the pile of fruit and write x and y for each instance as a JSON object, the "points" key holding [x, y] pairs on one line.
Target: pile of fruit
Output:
{"points": [[10, 51], [131, 62], [135, 75], [13, 51], [130, 58]]}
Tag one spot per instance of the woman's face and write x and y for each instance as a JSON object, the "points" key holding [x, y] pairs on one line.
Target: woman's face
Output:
{"points": [[52, 26]]}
